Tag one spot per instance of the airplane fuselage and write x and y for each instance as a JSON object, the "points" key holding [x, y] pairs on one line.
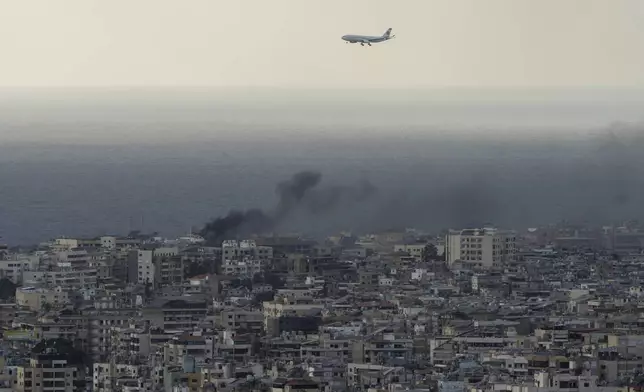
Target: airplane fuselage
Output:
{"points": [[367, 39], [363, 38]]}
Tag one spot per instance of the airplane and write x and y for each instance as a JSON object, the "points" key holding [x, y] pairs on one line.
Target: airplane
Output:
{"points": [[365, 39]]}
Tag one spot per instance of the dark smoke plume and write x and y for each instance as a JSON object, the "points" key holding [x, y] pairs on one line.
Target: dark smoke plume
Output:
{"points": [[237, 223], [299, 194], [292, 192]]}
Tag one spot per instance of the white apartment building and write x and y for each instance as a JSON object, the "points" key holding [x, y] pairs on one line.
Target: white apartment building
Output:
{"points": [[245, 250], [146, 267], [13, 269], [159, 266], [484, 248], [246, 268], [105, 242], [106, 373], [76, 257]]}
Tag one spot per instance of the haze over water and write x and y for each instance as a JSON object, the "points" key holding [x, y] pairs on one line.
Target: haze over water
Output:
{"points": [[86, 162]]}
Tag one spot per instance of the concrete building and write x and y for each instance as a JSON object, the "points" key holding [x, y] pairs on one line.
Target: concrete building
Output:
{"points": [[75, 278], [104, 242], [280, 316], [107, 374], [46, 372], [484, 248], [36, 298], [246, 269], [76, 257], [158, 267], [14, 268], [245, 250], [414, 250], [176, 314]]}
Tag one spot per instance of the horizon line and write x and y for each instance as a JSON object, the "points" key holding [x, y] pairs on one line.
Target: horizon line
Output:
{"points": [[325, 88]]}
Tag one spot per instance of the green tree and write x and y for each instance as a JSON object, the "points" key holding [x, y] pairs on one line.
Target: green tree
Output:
{"points": [[63, 347], [430, 253], [7, 289]]}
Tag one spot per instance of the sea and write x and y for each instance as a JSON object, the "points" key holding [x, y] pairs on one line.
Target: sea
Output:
{"points": [[97, 161]]}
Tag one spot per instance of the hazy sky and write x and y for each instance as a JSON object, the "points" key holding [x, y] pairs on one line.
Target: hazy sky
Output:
{"points": [[296, 43]]}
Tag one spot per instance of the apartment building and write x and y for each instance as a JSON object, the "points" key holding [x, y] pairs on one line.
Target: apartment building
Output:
{"points": [[157, 267], [483, 248], [47, 372], [76, 257], [176, 314], [240, 320], [15, 267], [104, 242], [282, 315], [105, 375], [39, 298], [414, 250], [190, 344], [75, 278], [245, 250], [246, 269]]}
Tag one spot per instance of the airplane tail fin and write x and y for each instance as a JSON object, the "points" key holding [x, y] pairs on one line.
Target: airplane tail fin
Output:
{"points": [[387, 33]]}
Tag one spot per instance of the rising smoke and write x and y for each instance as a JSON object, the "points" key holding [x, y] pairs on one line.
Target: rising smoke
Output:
{"points": [[301, 194], [593, 181]]}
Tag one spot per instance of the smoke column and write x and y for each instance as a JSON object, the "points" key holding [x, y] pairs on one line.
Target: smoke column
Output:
{"points": [[301, 193]]}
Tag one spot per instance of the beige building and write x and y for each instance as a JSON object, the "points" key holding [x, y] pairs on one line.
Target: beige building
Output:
{"points": [[484, 248], [46, 372], [36, 298], [414, 250]]}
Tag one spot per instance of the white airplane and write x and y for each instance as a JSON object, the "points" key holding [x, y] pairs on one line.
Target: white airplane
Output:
{"points": [[365, 39]]}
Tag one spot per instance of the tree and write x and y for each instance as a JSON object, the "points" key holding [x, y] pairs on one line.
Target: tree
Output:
{"points": [[62, 347], [430, 253], [245, 282], [264, 297], [148, 289], [197, 268], [274, 280], [7, 289]]}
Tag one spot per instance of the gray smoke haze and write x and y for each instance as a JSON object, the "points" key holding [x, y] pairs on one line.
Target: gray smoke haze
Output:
{"points": [[426, 180], [297, 195], [594, 180]]}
